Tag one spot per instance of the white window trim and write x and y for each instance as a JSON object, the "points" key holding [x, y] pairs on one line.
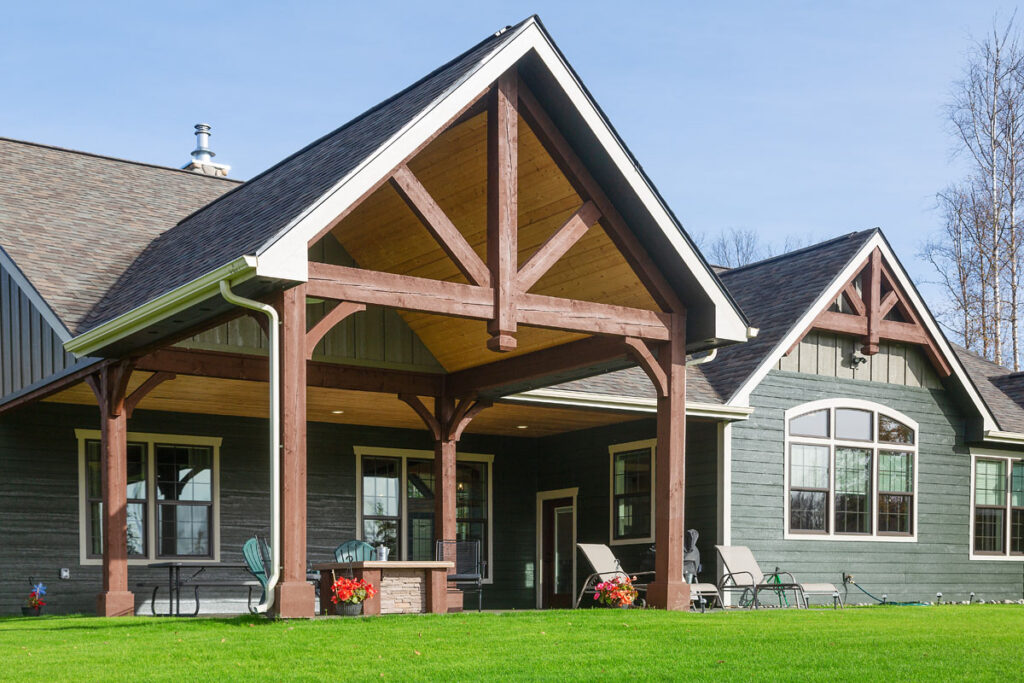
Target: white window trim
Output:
{"points": [[404, 454], [990, 454], [538, 569], [621, 448], [213, 442], [874, 446]]}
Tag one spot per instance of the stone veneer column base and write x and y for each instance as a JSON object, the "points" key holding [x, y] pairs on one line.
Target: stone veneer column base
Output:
{"points": [[115, 604], [673, 596], [295, 600]]}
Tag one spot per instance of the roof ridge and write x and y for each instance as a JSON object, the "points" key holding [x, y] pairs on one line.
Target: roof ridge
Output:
{"points": [[107, 157], [798, 252], [360, 117]]}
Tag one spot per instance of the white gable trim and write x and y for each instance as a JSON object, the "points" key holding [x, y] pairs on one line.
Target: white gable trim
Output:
{"points": [[284, 256], [742, 395]]}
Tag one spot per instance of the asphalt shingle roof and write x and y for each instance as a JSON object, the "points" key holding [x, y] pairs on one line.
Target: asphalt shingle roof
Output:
{"points": [[1000, 388], [73, 222], [774, 294], [243, 221]]}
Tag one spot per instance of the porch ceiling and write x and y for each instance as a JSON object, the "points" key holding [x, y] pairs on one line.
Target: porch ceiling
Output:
{"points": [[383, 234], [205, 395]]}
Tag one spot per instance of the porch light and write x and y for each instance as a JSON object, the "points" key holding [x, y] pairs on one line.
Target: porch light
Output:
{"points": [[520, 426], [337, 412]]}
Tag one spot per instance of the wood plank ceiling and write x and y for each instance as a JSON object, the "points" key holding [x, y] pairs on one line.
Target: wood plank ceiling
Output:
{"points": [[210, 396], [383, 234]]}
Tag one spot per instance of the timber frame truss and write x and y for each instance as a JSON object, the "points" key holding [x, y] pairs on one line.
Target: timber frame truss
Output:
{"points": [[874, 307]]}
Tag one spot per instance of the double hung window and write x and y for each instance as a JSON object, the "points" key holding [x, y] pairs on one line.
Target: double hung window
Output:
{"points": [[850, 471], [632, 488], [998, 497]]}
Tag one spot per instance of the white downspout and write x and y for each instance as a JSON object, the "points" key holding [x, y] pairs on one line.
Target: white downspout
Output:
{"points": [[275, 435]]}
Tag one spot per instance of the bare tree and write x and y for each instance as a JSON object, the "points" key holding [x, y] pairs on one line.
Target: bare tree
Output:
{"points": [[737, 247]]}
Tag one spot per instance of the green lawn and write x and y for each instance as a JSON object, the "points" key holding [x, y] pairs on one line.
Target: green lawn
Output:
{"points": [[881, 643]]}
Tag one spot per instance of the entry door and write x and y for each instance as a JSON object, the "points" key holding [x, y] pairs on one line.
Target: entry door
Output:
{"points": [[558, 546]]}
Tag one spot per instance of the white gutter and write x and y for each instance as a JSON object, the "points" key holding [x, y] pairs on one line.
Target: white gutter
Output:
{"points": [[633, 404], [275, 435], [998, 436], [701, 360]]}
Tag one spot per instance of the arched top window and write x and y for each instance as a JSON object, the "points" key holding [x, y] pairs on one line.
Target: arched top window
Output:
{"points": [[851, 470]]}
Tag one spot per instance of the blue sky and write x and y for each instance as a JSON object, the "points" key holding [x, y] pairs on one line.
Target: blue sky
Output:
{"points": [[790, 118]]}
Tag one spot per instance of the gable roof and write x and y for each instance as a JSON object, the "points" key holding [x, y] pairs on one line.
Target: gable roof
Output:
{"points": [[73, 221], [262, 228], [1001, 388]]}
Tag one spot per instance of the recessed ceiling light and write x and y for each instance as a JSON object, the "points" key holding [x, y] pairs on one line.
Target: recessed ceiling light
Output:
{"points": [[337, 412], [520, 426]]}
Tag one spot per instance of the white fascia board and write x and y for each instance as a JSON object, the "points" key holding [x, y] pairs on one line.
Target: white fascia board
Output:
{"points": [[742, 396], [998, 436], [584, 399], [20, 279], [162, 307], [285, 255]]}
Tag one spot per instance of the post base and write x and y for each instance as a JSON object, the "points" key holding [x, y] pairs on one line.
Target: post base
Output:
{"points": [[115, 604], [673, 596], [295, 600]]}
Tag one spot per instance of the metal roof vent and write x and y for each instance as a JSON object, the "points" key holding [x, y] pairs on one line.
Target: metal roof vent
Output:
{"points": [[202, 155]]}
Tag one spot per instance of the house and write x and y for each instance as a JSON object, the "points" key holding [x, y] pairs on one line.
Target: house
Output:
{"points": [[496, 320], [327, 351]]}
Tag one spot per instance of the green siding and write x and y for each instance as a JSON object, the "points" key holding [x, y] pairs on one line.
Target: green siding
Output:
{"points": [[938, 561]]}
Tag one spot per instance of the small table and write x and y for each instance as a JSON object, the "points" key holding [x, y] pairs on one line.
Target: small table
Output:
{"points": [[174, 582], [395, 581]]}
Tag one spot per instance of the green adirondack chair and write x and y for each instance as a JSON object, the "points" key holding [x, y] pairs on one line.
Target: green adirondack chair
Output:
{"points": [[257, 556], [355, 551]]}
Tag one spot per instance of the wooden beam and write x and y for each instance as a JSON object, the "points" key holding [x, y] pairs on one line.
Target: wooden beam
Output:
{"points": [[536, 365], [56, 386], [318, 374], [432, 423], [641, 353], [872, 285], [154, 380], [334, 316], [464, 414], [468, 301], [503, 207], [437, 223], [886, 305], [854, 297], [587, 187], [557, 245], [473, 106]]}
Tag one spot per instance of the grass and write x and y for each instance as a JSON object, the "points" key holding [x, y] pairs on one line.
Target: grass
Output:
{"points": [[881, 643]]}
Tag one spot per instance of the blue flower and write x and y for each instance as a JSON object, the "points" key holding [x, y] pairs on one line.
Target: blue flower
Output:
{"points": [[39, 589]]}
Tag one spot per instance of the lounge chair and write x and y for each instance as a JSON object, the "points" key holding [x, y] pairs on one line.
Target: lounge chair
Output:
{"points": [[702, 594], [605, 567], [742, 574]]}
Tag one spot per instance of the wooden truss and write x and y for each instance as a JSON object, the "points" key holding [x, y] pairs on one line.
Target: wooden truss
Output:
{"points": [[879, 310]]}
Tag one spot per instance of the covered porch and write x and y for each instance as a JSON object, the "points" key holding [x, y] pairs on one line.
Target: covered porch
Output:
{"points": [[490, 248]]}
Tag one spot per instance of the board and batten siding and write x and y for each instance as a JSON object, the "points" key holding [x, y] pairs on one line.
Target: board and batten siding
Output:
{"points": [[827, 354], [377, 337], [39, 517], [30, 348], [937, 562]]}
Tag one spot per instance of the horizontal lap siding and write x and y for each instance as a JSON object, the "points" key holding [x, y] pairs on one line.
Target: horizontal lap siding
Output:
{"points": [[39, 498], [937, 562]]}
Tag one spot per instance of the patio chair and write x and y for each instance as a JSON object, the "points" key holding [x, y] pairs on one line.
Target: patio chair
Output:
{"points": [[703, 594], [257, 558], [742, 574], [469, 568], [353, 551], [605, 566]]}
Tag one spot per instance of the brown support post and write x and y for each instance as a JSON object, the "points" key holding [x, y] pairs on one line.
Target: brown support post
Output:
{"points": [[872, 285], [110, 385], [444, 472], [503, 207], [295, 596], [669, 590]]}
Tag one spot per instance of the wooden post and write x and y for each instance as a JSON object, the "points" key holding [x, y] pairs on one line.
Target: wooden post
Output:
{"points": [[295, 596], [669, 590], [502, 207], [444, 472], [872, 286], [110, 385]]}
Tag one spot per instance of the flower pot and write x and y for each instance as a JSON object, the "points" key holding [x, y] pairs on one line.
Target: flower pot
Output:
{"points": [[348, 609], [30, 611]]}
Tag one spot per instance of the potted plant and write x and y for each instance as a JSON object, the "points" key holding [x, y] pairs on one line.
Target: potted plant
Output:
{"points": [[348, 595], [616, 592], [35, 601]]}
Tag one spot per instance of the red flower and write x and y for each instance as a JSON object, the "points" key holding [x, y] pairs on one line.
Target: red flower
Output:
{"points": [[351, 590]]}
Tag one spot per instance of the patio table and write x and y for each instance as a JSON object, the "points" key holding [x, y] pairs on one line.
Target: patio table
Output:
{"points": [[174, 582]]}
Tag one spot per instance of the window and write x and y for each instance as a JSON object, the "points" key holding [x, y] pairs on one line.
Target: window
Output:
{"points": [[998, 500], [171, 497], [396, 489], [849, 471], [632, 487]]}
